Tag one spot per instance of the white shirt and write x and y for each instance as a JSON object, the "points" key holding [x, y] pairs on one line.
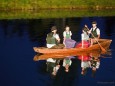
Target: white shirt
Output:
{"points": [[64, 33], [84, 36], [56, 36], [56, 68], [85, 64], [97, 64], [51, 60]]}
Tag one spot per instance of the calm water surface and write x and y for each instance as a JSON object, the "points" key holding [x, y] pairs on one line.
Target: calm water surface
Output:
{"points": [[18, 37]]}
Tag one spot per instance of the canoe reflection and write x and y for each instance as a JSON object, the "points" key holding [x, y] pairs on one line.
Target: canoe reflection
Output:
{"points": [[55, 62]]}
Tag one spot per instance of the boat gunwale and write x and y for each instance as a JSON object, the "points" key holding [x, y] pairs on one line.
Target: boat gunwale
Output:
{"points": [[102, 41]]}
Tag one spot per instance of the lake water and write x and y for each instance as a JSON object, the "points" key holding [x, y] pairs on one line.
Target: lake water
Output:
{"points": [[19, 36]]}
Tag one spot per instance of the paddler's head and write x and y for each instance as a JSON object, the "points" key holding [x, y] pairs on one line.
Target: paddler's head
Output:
{"points": [[94, 23]]}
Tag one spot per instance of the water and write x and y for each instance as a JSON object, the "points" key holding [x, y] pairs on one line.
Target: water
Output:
{"points": [[19, 36]]}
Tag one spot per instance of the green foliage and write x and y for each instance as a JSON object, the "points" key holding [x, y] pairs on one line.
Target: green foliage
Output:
{"points": [[55, 8], [40, 14], [35, 4]]}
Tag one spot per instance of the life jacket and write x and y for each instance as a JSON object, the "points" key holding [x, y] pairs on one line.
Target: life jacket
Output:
{"points": [[94, 33], [50, 39]]}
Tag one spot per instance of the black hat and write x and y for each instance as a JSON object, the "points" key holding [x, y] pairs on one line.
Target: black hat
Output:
{"points": [[53, 28], [94, 22]]}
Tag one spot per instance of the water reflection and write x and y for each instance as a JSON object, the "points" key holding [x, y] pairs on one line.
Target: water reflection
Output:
{"points": [[52, 66], [92, 62], [88, 62], [67, 63]]}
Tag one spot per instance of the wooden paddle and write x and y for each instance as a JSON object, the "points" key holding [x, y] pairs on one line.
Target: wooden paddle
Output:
{"points": [[103, 50]]}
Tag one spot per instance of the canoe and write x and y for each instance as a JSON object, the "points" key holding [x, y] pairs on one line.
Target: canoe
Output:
{"points": [[64, 55], [105, 43]]}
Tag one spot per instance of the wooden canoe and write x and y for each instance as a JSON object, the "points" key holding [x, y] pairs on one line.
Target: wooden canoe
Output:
{"points": [[62, 56], [105, 43]]}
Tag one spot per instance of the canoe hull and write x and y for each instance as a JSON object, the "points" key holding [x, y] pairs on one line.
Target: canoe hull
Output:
{"points": [[105, 43]]}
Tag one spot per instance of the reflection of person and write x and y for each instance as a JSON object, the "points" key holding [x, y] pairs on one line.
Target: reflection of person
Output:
{"points": [[84, 65], [53, 66], [95, 32], [50, 64], [55, 70], [67, 63], [94, 64], [52, 37]]}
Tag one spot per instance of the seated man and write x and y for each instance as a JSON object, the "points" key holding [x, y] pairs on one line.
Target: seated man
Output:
{"points": [[52, 38]]}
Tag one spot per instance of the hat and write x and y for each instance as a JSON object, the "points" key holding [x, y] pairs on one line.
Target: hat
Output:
{"points": [[94, 22], [53, 28]]}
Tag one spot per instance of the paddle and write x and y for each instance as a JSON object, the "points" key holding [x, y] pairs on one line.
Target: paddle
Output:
{"points": [[103, 50]]}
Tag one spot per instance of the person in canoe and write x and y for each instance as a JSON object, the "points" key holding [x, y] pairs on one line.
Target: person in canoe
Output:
{"points": [[67, 33], [94, 64], [52, 38], [85, 34], [84, 38], [95, 32], [67, 41]]}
